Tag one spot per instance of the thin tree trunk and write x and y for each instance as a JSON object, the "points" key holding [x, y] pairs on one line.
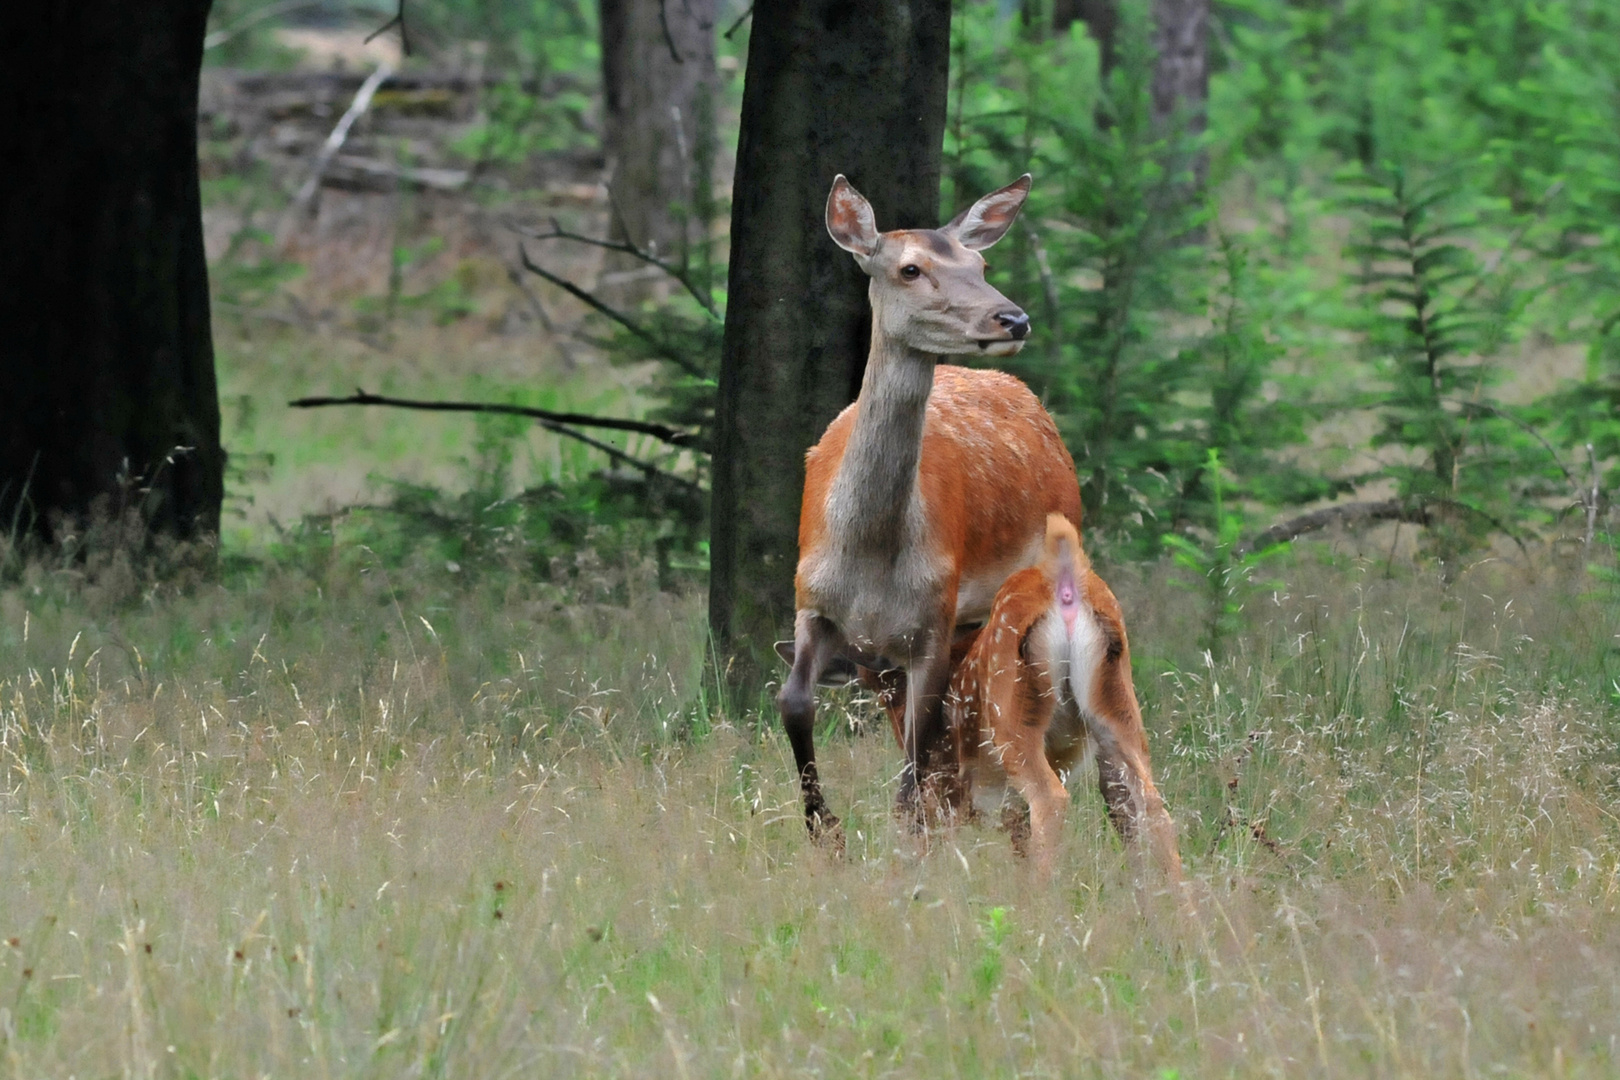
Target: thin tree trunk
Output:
{"points": [[1181, 77], [1101, 18], [1180, 49], [832, 87], [658, 85], [109, 396]]}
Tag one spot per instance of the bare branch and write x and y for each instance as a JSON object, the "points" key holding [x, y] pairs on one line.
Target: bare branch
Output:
{"points": [[617, 316], [1591, 497], [559, 233], [1510, 418], [515, 276], [669, 39], [1356, 513], [738, 24], [404, 32], [539, 416], [661, 432], [647, 469], [269, 11]]}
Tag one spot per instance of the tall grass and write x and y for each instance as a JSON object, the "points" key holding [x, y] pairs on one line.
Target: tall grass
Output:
{"points": [[332, 818]]}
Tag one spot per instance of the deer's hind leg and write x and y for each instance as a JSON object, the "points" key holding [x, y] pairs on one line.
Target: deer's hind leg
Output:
{"points": [[1023, 755], [1016, 700], [1124, 771]]}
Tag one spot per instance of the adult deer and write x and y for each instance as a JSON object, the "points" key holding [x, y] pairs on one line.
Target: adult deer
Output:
{"points": [[926, 493], [1047, 684]]}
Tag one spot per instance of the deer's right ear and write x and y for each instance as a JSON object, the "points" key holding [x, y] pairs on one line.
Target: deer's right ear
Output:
{"points": [[850, 221]]}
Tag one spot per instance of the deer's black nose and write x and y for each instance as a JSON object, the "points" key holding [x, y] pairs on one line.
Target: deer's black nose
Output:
{"points": [[1015, 322]]}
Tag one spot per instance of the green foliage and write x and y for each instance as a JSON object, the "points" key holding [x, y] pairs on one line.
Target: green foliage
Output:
{"points": [[992, 963], [521, 120], [1102, 242], [1221, 568], [584, 534], [1471, 155]]}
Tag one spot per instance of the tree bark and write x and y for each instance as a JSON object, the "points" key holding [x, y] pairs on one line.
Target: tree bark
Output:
{"points": [[832, 86], [1180, 49], [658, 86], [109, 398], [1180, 66]]}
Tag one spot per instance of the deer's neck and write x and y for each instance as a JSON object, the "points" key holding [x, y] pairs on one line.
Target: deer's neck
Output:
{"points": [[873, 495]]}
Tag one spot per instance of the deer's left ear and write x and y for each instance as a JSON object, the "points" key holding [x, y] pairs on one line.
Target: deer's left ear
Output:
{"points": [[988, 220]]}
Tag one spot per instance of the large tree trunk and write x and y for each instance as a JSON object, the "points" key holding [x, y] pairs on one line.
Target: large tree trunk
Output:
{"points": [[658, 85], [832, 87], [109, 397]]}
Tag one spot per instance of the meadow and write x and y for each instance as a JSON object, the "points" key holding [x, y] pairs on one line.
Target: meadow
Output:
{"points": [[315, 814]]}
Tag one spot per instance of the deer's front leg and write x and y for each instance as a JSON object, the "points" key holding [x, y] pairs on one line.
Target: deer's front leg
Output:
{"points": [[930, 765], [815, 642]]}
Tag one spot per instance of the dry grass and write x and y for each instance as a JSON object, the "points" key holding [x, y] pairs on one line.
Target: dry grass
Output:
{"points": [[290, 828]]}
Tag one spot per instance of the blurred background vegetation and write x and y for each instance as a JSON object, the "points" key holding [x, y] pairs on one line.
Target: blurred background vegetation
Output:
{"points": [[1385, 271]]}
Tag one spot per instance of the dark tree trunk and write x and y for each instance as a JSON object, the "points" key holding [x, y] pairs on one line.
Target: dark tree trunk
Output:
{"points": [[658, 85], [1101, 18], [832, 87], [105, 345]]}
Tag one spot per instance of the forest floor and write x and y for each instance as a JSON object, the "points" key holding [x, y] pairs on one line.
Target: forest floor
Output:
{"points": [[320, 810]]}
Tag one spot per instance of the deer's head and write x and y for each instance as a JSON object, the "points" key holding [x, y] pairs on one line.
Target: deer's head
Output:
{"points": [[928, 289]]}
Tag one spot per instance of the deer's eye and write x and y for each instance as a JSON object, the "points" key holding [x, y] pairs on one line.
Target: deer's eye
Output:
{"points": [[911, 271]]}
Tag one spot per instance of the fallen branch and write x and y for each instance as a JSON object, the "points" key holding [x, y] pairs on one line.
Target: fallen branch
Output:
{"points": [[334, 143], [1356, 513], [349, 169], [1413, 511], [661, 432]]}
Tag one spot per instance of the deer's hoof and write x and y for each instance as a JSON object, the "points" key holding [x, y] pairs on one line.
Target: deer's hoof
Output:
{"points": [[826, 831]]}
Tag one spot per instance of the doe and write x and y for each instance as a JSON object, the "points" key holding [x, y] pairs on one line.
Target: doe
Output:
{"points": [[924, 495]]}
